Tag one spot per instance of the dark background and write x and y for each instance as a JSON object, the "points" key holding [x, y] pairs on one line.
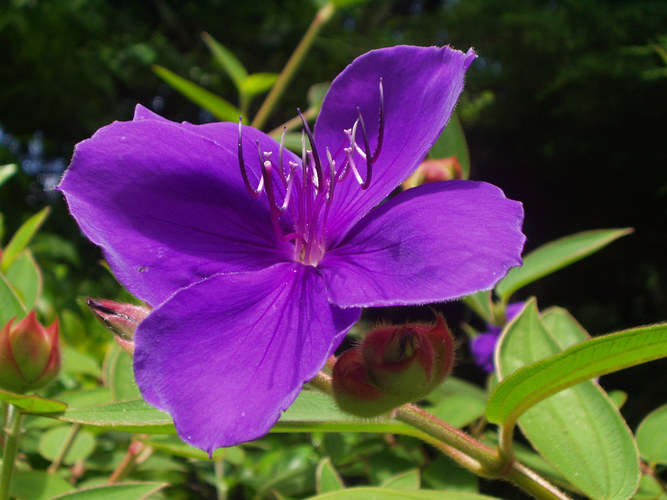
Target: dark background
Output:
{"points": [[564, 109]]}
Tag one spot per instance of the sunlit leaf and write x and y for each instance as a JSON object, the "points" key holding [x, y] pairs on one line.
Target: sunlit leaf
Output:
{"points": [[22, 237], [578, 430], [214, 104], [258, 83], [652, 436], [120, 491], [227, 61], [480, 302], [368, 493], [25, 278], [119, 374], [6, 171], [554, 256], [37, 485], [408, 480], [327, 478], [81, 446], [12, 307], [32, 404], [131, 416]]}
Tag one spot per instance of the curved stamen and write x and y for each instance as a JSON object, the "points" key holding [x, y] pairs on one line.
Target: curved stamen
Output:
{"points": [[318, 164], [244, 173], [367, 148], [380, 126]]}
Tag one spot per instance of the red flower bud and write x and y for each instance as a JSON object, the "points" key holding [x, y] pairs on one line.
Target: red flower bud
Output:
{"points": [[353, 390], [392, 366], [29, 354], [121, 319], [441, 169]]}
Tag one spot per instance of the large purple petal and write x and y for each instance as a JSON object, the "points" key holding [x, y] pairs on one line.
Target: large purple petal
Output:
{"points": [[227, 355], [421, 86], [431, 243], [168, 205]]}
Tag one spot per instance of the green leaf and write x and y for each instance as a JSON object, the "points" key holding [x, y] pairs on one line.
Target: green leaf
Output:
{"points": [[649, 489], [227, 61], [32, 404], [120, 491], [173, 445], [562, 324], [367, 493], [443, 473], [408, 480], [554, 256], [135, 416], [315, 411], [457, 402], [327, 478], [120, 375], [452, 142], [79, 363], [652, 436], [51, 441], [258, 83], [37, 485], [578, 430], [12, 307], [316, 94], [480, 302], [593, 358], [216, 105], [25, 278], [6, 171], [22, 237]]}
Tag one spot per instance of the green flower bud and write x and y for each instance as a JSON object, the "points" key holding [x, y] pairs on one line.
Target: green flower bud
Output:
{"points": [[409, 361], [392, 366], [121, 319], [29, 354], [353, 390]]}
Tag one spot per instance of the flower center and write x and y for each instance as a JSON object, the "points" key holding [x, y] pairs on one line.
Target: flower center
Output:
{"points": [[299, 205]]}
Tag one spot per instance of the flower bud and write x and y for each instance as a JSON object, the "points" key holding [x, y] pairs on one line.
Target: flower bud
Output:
{"points": [[29, 354], [392, 366], [353, 390], [408, 361], [121, 319], [441, 169]]}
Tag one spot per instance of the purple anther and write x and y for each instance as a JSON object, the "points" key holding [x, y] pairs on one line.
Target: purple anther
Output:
{"points": [[311, 139], [244, 173], [367, 150], [381, 125]]}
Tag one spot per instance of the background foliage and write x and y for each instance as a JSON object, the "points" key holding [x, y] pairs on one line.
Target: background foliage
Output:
{"points": [[564, 110]]}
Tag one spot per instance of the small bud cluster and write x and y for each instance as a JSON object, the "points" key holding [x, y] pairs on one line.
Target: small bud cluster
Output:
{"points": [[29, 354], [392, 366]]}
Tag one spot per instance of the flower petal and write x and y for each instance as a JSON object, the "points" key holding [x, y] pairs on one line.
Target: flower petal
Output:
{"points": [[225, 356], [421, 86], [431, 243], [168, 205]]}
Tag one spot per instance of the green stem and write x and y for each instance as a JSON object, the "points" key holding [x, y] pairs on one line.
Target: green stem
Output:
{"points": [[137, 452], [321, 18], [220, 485], [467, 451], [12, 432], [58, 460]]}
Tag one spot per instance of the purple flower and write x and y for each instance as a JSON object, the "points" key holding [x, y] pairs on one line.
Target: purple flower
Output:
{"points": [[258, 261], [483, 346]]}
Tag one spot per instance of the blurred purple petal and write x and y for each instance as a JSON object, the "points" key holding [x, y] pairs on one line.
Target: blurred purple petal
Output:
{"points": [[483, 346]]}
